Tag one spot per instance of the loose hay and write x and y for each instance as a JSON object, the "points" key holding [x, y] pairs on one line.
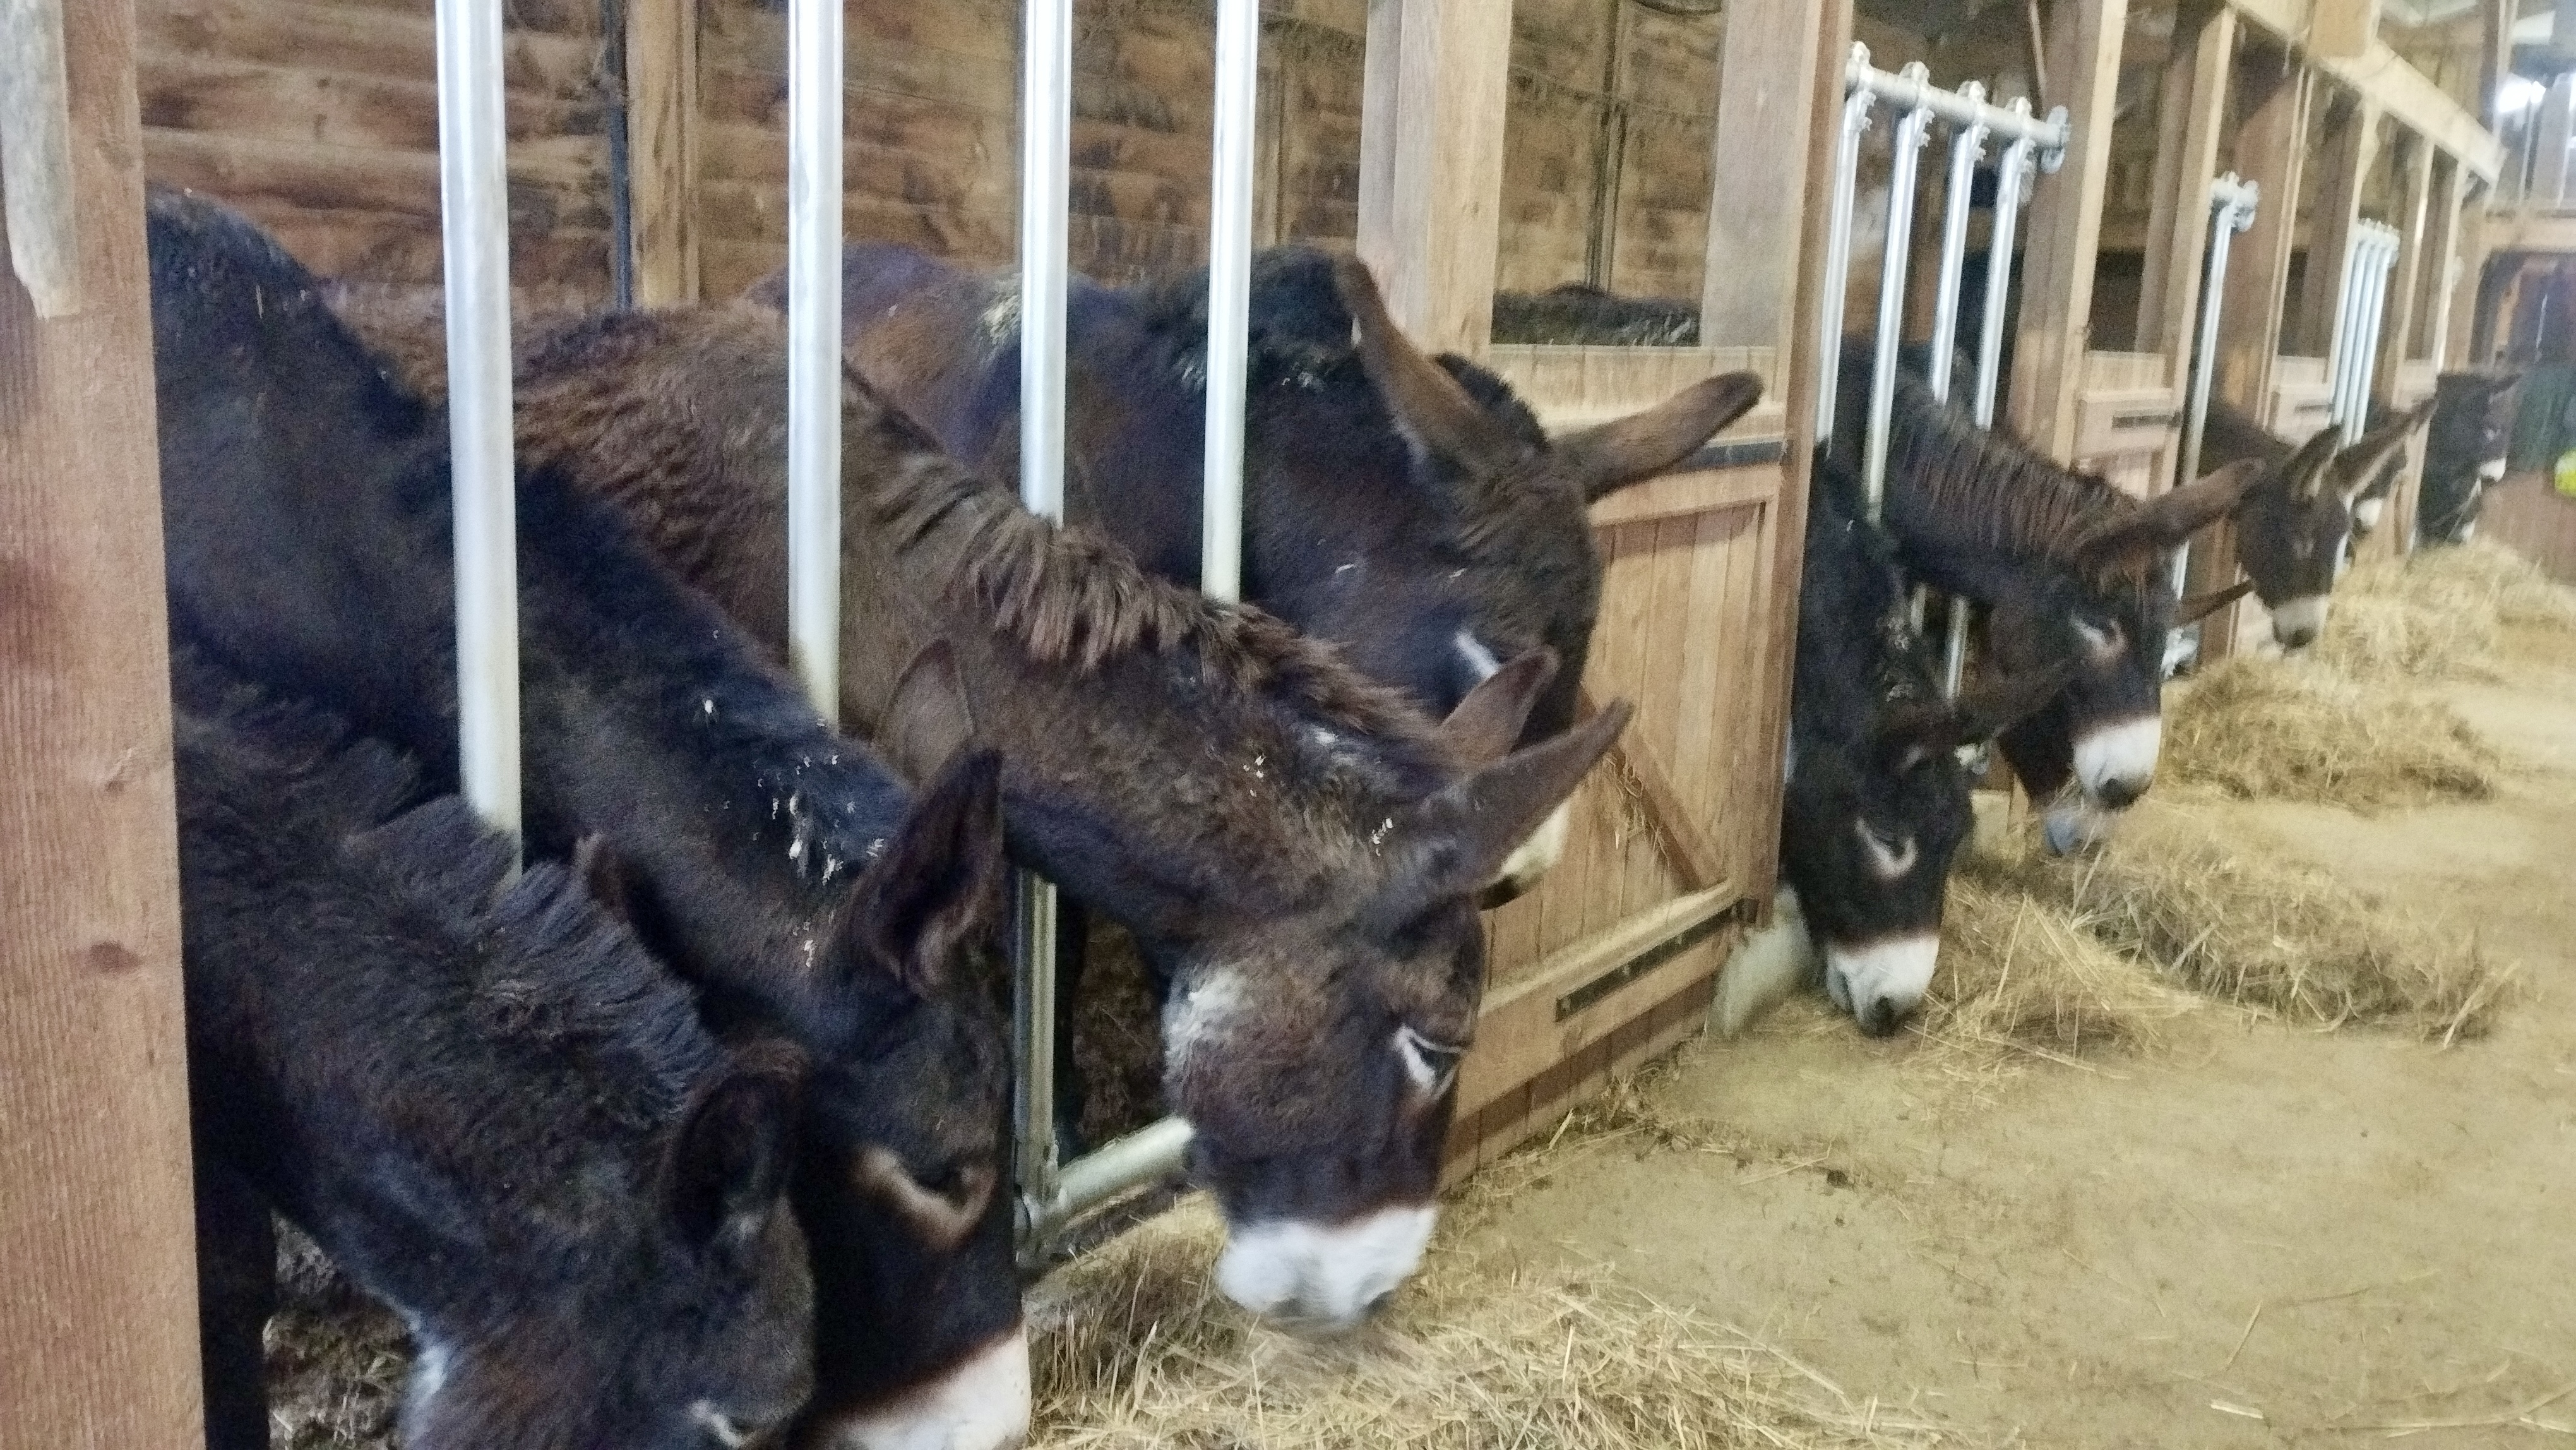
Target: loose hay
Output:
{"points": [[1133, 1347], [2516, 588], [2292, 730], [2022, 977], [2283, 939], [2436, 612], [337, 1360]]}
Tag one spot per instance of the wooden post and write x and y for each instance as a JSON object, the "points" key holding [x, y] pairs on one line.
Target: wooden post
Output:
{"points": [[2405, 279], [1431, 163], [98, 1317], [2193, 118], [2344, 158], [1765, 90], [662, 121], [2066, 226], [2449, 268]]}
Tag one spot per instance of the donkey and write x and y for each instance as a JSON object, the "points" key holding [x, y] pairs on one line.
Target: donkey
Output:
{"points": [[2473, 418], [1877, 801], [1295, 848], [1411, 511], [2069, 566], [483, 1098], [764, 856], [2295, 526]]}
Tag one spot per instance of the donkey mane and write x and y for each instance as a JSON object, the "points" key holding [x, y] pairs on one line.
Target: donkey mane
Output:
{"points": [[1997, 490], [598, 1005]]}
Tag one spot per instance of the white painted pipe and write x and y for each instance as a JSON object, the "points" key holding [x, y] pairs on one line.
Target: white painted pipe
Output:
{"points": [[814, 99], [2012, 178], [1966, 147], [1912, 88], [1891, 300], [1046, 139], [2231, 210], [1838, 230], [473, 187], [1238, 83]]}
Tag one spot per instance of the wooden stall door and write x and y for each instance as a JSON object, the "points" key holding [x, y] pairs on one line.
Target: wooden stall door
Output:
{"points": [[1615, 956]]}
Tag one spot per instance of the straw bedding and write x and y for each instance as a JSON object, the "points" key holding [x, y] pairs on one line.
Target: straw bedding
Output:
{"points": [[2021, 977], [2291, 729], [1135, 1348]]}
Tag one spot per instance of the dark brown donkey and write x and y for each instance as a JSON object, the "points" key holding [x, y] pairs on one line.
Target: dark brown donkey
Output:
{"points": [[2294, 529], [1411, 511], [772, 861], [1296, 848]]}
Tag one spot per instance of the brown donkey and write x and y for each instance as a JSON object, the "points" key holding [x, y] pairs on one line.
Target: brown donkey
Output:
{"points": [[1296, 849]]}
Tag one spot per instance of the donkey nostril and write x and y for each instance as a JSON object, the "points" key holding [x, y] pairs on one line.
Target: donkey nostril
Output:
{"points": [[1378, 1305], [1881, 1017], [2298, 639], [2118, 794]]}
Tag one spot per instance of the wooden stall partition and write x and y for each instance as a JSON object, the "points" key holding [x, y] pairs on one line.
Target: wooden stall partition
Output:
{"points": [[2192, 115], [98, 1344], [2065, 224], [2128, 420], [1673, 851]]}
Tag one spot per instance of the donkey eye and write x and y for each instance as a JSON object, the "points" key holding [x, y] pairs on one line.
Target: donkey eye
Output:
{"points": [[1432, 1066], [2100, 637], [1890, 856]]}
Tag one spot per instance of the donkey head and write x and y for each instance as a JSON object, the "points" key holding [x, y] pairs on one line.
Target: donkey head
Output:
{"points": [[2104, 602], [1522, 560], [1867, 837], [901, 1179], [2473, 418], [1317, 1054], [680, 1346], [2294, 526]]}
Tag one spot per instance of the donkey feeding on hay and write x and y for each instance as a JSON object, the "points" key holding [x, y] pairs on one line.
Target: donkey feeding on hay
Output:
{"points": [[1877, 803], [1410, 510], [2465, 454], [482, 1097], [767, 858], [2295, 527], [1296, 849], [2068, 566]]}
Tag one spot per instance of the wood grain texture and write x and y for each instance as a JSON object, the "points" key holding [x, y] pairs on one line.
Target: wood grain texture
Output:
{"points": [[662, 146], [2192, 115], [98, 1321], [2065, 225], [2340, 164], [1444, 125], [1767, 91]]}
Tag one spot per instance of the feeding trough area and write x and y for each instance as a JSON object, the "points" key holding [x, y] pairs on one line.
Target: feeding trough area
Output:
{"points": [[852, 724]]}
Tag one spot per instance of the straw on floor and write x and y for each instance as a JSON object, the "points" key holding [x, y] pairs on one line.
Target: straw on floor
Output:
{"points": [[2250, 930], [2292, 729], [2022, 978], [1134, 1347], [2437, 611]]}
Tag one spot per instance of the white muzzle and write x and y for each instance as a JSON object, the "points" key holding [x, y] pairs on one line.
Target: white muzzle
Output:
{"points": [[2119, 760], [982, 1404], [1327, 1277], [1881, 983]]}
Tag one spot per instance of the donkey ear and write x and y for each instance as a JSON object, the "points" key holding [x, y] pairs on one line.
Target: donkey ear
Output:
{"points": [[2306, 469], [2167, 520], [2358, 467], [2197, 607], [605, 875], [1914, 732], [1454, 842], [928, 721], [1610, 456], [1428, 404], [1488, 723], [938, 885], [729, 1162]]}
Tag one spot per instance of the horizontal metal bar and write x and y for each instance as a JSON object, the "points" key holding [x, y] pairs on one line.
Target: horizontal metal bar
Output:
{"points": [[2237, 195], [1909, 92], [1152, 1152]]}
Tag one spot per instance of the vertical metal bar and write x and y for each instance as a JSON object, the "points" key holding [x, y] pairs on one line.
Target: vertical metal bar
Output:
{"points": [[475, 236], [814, 350], [1966, 146], [1046, 133], [1891, 297], [1238, 79], [2347, 316], [2010, 178], [2228, 215], [1838, 228]]}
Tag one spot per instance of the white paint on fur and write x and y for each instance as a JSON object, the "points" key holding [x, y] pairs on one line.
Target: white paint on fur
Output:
{"points": [[429, 1366], [1202, 1014], [2297, 621], [717, 1423], [2365, 513], [1891, 974], [1429, 1065], [1887, 861], [1532, 858], [1479, 659], [2491, 470], [1324, 1276], [2468, 531], [982, 1404], [1771, 964], [2119, 754]]}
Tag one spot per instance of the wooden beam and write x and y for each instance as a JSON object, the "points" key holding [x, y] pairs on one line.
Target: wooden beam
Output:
{"points": [[2342, 162], [2452, 269], [1764, 90], [2386, 79], [662, 127], [98, 1321], [2406, 278], [1431, 169], [2342, 29], [2191, 124], [2065, 226]]}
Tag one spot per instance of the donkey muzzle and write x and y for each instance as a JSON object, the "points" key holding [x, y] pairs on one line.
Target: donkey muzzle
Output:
{"points": [[1324, 1278], [981, 1404]]}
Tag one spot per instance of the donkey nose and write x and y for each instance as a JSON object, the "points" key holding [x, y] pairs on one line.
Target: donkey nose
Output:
{"points": [[1879, 1016], [2298, 638], [2119, 792]]}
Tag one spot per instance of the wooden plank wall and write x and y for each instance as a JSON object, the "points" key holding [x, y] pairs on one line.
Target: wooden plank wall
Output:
{"points": [[2534, 520], [320, 119]]}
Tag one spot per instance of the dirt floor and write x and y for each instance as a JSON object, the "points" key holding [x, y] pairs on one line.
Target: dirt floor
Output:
{"points": [[2261, 1235]]}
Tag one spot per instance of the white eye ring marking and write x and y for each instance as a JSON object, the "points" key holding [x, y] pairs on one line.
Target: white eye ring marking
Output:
{"points": [[2104, 643], [720, 1425], [1887, 860], [1431, 1065]]}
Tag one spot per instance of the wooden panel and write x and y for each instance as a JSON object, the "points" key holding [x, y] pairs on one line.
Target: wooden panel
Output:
{"points": [[98, 1317], [2192, 113], [1756, 234], [1442, 124], [662, 144], [2065, 225], [2341, 163], [2528, 516]]}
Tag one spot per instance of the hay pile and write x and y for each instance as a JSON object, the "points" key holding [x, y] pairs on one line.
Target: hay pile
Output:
{"points": [[337, 1360], [2436, 612], [2292, 729], [1134, 1347], [2022, 977], [2282, 939], [2514, 587]]}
